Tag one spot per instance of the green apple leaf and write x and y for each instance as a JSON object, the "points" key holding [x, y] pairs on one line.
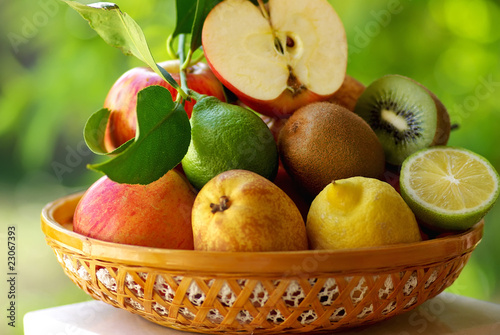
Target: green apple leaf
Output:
{"points": [[190, 17], [121, 31], [94, 132], [185, 10], [202, 9], [162, 140]]}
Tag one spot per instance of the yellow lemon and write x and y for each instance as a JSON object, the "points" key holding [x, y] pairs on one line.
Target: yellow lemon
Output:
{"points": [[360, 212]]}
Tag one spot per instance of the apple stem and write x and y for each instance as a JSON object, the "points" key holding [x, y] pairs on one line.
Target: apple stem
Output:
{"points": [[221, 206]]}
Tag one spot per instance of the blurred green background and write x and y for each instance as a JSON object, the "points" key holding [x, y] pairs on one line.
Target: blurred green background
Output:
{"points": [[55, 72]]}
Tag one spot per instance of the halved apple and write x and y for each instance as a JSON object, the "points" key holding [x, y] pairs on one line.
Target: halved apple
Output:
{"points": [[279, 57]]}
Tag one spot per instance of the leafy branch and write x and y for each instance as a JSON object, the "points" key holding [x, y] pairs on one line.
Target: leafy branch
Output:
{"points": [[163, 130]]}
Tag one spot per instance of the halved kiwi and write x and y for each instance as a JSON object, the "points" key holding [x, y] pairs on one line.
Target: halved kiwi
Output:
{"points": [[405, 115]]}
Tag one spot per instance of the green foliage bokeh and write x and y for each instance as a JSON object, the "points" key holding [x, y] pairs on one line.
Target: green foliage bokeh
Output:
{"points": [[55, 72]]}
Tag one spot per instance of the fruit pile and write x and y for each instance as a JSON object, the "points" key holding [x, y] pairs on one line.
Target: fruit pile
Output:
{"points": [[271, 146]]}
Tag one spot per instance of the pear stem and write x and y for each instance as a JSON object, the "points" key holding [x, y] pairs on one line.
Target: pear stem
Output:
{"points": [[221, 206]]}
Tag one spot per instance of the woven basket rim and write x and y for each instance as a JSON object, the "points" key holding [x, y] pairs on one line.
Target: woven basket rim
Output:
{"points": [[56, 218]]}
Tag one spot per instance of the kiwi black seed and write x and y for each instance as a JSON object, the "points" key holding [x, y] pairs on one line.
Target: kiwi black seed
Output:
{"points": [[404, 115]]}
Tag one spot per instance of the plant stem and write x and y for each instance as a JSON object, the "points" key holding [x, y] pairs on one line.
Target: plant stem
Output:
{"points": [[195, 95], [170, 49], [197, 59], [187, 61], [182, 61]]}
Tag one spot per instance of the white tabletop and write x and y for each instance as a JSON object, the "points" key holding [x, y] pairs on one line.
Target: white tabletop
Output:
{"points": [[446, 314]]}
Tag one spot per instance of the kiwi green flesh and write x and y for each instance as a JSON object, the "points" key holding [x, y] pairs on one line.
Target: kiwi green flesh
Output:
{"points": [[402, 113]]}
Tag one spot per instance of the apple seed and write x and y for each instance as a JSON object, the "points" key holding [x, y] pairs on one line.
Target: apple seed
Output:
{"points": [[278, 46]]}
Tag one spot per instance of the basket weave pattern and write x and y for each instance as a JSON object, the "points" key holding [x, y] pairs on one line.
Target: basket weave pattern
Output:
{"points": [[259, 302], [212, 304]]}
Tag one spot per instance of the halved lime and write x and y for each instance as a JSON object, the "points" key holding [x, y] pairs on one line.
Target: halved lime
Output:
{"points": [[449, 188]]}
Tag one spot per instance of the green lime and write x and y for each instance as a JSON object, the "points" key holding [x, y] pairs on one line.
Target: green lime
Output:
{"points": [[226, 137], [449, 188]]}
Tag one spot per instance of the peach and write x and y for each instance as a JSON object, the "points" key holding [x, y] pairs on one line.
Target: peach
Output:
{"points": [[153, 215]]}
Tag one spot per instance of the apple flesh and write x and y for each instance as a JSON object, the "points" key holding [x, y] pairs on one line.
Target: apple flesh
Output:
{"points": [[239, 210], [122, 97], [279, 58], [154, 215]]}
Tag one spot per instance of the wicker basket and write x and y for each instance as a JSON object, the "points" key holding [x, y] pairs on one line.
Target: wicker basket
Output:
{"points": [[259, 293]]}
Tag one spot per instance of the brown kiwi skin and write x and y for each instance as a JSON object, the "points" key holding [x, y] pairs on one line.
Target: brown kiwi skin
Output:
{"points": [[443, 127], [348, 94], [322, 142]]}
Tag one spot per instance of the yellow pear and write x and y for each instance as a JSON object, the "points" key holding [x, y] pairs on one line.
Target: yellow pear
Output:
{"points": [[239, 210]]}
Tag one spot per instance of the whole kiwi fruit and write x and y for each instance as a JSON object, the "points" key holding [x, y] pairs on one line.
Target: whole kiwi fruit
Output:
{"points": [[322, 142]]}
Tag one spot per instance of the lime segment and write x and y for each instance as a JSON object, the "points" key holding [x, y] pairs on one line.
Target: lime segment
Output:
{"points": [[449, 188]]}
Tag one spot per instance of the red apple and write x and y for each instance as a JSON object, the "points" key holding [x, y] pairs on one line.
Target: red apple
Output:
{"points": [[154, 215], [274, 125], [122, 97], [278, 58]]}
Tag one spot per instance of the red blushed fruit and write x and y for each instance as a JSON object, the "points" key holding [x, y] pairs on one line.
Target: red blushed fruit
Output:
{"points": [[391, 176], [154, 215], [122, 97], [285, 182], [423, 234], [278, 61], [274, 125], [280, 107]]}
